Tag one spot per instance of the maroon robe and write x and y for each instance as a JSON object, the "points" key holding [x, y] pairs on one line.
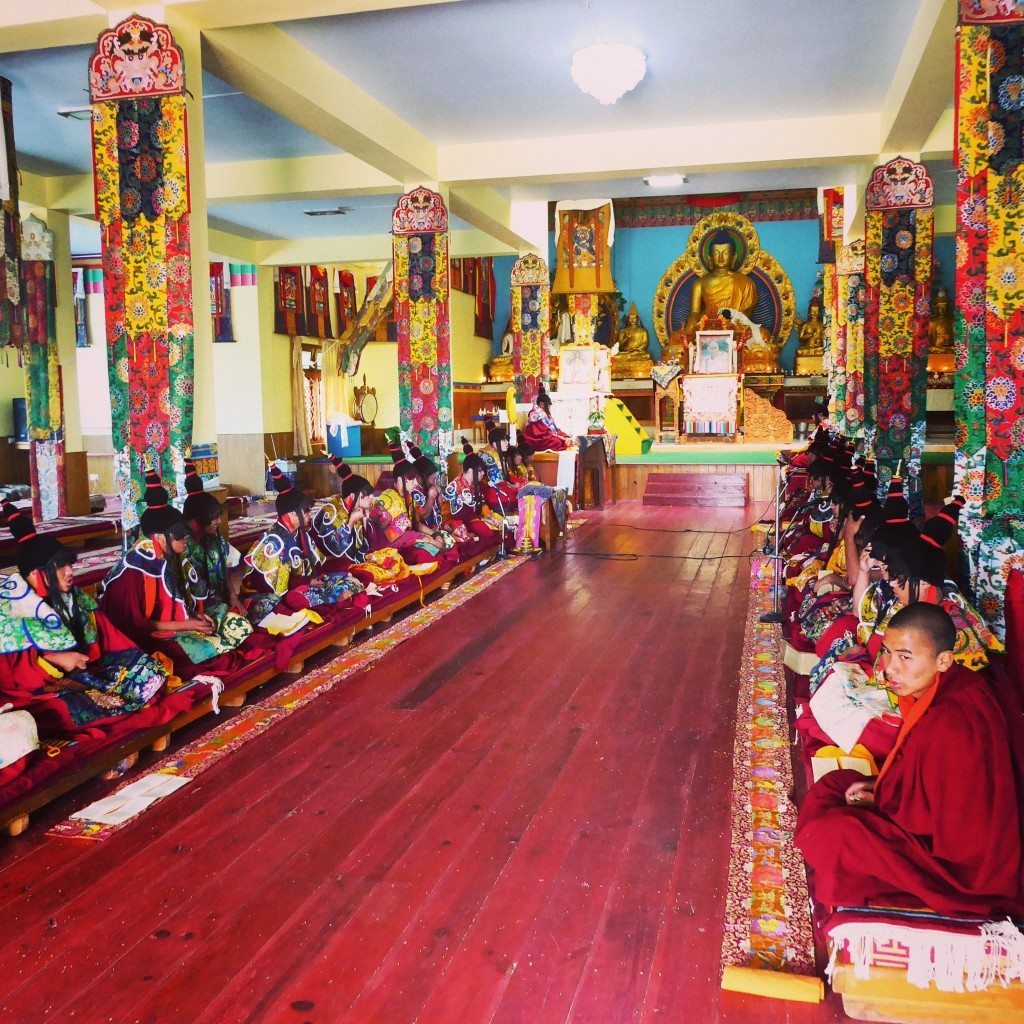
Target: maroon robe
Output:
{"points": [[24, 683], [946, 829]]}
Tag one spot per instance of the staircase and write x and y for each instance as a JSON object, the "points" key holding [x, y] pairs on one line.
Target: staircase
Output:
{"points": [[630, 437], [710, 490]]}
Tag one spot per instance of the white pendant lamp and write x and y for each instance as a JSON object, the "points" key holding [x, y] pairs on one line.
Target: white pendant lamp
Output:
{"points": [[607, 71]]}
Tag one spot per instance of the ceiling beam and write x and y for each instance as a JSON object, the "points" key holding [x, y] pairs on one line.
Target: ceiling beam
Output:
{"points": [[489, 211], [49, 23], [922, 85], [353, 248], [307, 177], [800, 142], [940, 143], [277, 71]]}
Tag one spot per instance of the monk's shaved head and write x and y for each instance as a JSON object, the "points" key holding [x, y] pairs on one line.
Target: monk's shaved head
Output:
{"points": [[930, 621]]}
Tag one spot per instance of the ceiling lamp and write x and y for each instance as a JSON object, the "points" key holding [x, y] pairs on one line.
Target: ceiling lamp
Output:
{"points": [[607, 71], [665, 180]]}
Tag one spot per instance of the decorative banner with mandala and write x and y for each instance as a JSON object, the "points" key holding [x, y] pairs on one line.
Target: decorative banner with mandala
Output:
{"points": [[848, 318], [988, 386], [43, 396], [899, 226], [419, 228], [141, 181], [531, 316]]}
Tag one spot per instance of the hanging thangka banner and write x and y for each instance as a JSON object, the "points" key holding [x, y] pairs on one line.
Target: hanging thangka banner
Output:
{"points": [[10, 226], [989, 380], [530, 318], [988, 385], [289, 301], [345, 299], [899, 229], [44, 404], [420, 239], [848, 317], [220, 304], [318, 303], [141, 180]]}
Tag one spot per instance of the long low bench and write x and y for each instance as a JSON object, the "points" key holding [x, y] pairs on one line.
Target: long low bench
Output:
{"points": [[43, 778]]}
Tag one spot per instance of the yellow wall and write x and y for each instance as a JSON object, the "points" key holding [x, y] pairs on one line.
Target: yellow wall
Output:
{"points": [[93, 384], [12, 385], [237, 366], [469, 353], [379, 363], [275, 361]]}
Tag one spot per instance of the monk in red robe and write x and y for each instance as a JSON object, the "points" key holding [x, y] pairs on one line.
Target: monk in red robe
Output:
{"points": [[541, 434], [941, 825]]}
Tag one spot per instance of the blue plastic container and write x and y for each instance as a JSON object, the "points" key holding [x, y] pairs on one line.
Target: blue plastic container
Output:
{"points": [[337, 447]]}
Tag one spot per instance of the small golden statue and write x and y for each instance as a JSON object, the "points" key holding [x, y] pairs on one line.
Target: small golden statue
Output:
{"points": [[633, 358], [940, 334], [501, 369], [810, 354]]}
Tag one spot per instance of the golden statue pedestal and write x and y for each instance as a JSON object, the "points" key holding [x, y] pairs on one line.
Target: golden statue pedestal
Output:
{"points": [[809, 366], [501, 370], [632, 367], [941, 362]]}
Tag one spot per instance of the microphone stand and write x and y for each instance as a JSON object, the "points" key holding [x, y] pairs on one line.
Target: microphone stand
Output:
{"points": [[775, 615]]}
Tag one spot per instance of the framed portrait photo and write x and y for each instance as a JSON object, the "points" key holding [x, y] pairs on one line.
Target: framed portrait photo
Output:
{"points": [[713, 352]]}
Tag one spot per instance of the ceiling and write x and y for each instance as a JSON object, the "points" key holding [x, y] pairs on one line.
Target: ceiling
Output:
{"points": [[501, 68], [367, 215], [44, 81], [345, 109]]}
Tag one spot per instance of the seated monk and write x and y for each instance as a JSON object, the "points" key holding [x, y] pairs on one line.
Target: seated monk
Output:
{"points": [[394, 518], [155, 596], [499, 492], [350, 544], [540, 433], [286, 567], [60, 658], [464, 496], [520, 470], [218, 563], [338, 527], [426, 494], [850, 705], [941, 825]]}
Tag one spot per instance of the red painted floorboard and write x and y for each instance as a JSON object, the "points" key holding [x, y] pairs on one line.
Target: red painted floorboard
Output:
{"points": [[519, 815]]}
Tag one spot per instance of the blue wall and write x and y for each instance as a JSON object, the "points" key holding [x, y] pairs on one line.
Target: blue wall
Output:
{"points": [[641, 256], [945, 253], [502, 299]]}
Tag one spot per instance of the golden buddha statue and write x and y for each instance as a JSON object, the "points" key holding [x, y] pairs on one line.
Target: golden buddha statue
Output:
{"points": [[940, 334], [810, 353], [722, 287], [633, 359]]}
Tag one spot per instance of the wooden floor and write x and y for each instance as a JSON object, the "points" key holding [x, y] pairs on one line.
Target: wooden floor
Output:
{"points": [[518, 816]]}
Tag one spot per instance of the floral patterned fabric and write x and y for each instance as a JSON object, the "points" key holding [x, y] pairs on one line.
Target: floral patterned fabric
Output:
{"points": [[424, 338], [988, 395], [43, 400], [140, 163], [899, 252]]}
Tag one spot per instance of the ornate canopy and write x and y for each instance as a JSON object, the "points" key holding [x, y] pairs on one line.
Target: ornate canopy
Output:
{"points": [[776, 307]]}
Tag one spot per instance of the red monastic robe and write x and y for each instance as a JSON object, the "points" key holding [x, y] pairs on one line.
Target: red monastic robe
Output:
{"points": [[946, 829]]}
